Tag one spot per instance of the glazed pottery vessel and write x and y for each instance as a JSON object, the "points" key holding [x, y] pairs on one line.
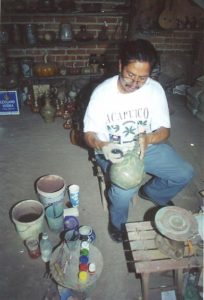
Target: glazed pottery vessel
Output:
{"points": [[48, 111], [129, 172]]}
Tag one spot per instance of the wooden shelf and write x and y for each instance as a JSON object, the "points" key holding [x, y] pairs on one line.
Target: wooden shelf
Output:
{"points": [[35, 78], [76, 13], [60, 44], [90, 77]]}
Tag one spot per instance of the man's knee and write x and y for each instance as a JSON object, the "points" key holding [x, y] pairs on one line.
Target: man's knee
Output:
{"points": [[186, 174], [120, 197]]}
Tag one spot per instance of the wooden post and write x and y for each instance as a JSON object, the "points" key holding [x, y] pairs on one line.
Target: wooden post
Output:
{"points": [[145, 286]]}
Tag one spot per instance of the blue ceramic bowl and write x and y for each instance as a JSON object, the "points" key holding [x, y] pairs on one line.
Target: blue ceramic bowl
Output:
{"points": [[71, 223]]}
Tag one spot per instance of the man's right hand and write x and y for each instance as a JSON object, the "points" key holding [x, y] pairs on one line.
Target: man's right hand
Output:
{"points": [[142, 144], [113, 152]]}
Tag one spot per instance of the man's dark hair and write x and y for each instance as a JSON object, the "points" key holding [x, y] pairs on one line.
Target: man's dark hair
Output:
{"points": [[140, 50]]}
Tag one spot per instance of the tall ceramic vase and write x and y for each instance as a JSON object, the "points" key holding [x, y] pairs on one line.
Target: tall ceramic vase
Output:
{"points": [[48, 111]]}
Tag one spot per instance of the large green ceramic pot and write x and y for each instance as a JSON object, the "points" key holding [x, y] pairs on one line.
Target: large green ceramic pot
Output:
{"points": [[128, 173]]}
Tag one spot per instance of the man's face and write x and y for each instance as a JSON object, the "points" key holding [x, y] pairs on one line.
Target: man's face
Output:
{"points": [[133, 76]]}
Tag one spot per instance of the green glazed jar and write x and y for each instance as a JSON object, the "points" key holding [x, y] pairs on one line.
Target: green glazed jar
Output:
{"points": [[129, 172], [48, 111]]}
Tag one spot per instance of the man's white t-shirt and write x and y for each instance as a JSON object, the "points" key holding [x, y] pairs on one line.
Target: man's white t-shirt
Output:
{"points": [[118, 117]]}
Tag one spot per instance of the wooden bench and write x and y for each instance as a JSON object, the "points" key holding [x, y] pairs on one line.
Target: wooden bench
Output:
{"points": [[148, 259]]}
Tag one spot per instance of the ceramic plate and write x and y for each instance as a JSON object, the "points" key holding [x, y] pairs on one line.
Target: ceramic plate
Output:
{"points": [[176, 223]]}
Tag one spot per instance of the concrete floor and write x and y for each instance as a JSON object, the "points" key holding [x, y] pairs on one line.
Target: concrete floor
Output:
{"points": [[31, 148]]}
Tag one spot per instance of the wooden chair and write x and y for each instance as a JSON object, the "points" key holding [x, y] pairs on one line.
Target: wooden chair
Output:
{"points": [[76, 138], [102, 181]]}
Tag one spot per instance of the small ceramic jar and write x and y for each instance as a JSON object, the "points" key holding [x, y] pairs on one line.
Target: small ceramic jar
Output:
{"points": [[65, 32], [87, 234], [31, 34], [27, 66]]}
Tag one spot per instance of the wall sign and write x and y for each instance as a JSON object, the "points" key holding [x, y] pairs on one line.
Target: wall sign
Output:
{"points": [[9, 103]]}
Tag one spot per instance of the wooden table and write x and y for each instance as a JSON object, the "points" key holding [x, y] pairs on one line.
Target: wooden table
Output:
{"points": [[148, 259], [64, 266]]}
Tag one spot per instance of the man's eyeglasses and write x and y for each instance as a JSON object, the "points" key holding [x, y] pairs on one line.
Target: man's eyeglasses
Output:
{"points": [[129, 80]]}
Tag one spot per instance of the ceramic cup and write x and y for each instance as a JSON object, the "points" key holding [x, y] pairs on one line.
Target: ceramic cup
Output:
{"points": [[87, 234], [74, 195]]}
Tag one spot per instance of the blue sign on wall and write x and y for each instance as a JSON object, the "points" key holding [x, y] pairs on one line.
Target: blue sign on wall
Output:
{"points": [[9, 103]]}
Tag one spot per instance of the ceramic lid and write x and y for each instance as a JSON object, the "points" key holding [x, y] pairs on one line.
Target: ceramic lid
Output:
{"points": [[176, 223]]}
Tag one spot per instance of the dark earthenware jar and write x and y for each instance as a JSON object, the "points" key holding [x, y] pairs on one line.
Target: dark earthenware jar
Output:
{"points": [[31, 34], [3, 63]]}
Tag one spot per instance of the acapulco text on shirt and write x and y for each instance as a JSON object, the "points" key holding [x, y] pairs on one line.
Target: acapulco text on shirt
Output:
{"points": [[139, 113]]}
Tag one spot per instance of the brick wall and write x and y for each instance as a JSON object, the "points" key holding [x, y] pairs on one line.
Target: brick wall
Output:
{"points": [[182, 42], [179, 50], [68, 53]]}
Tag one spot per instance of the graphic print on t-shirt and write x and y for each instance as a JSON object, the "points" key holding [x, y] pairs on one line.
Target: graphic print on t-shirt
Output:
{"points": [[123, 127]]}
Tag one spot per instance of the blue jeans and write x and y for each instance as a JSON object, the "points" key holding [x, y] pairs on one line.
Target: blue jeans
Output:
{"points": [[170, 174]]}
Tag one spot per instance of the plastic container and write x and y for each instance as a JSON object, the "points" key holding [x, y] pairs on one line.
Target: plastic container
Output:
{"points": [[51, 189], [45, 247], [28, 217], [83, 259], [85, 245], [33, 247], [83, 267], [83, 277], [92, 268], [54, 216], [74, 194], [84, 252]]}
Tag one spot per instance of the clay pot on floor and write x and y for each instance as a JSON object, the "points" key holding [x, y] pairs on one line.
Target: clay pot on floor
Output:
{"points": [[48, 111]]}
